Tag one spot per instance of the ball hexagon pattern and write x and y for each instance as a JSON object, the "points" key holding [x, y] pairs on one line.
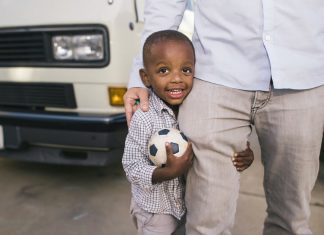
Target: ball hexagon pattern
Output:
{"points": [[156, 146]]}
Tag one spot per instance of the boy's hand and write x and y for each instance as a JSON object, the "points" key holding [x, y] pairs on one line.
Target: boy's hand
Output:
{"points": [[175, 166], [130, 101], [178, 165], [243, 159]]}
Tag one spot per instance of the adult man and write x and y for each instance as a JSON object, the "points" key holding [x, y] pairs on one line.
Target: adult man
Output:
{"points": [[259, 63]]}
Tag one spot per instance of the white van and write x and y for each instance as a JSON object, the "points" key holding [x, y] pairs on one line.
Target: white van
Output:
{"points": [[64, 67]]}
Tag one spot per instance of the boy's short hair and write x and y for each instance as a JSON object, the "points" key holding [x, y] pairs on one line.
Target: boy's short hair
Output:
{"points": [[164, 35]]}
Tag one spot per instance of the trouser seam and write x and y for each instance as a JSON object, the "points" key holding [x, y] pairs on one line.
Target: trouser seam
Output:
{"points": [[255, 108]]}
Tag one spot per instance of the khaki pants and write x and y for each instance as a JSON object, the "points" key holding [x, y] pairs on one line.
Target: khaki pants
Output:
{"points": [[289, 125], [155, 224]]}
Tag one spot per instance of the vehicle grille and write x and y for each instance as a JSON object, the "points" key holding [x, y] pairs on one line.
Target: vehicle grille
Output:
{"points": [[37, 95], [22, 47]]}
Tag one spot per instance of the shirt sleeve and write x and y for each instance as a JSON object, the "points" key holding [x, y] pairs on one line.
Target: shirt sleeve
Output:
{"points": [[158, 15], [137, 166]]}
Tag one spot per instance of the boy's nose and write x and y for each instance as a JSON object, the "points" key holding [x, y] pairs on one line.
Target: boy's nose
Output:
{"points": [[177, 77]]}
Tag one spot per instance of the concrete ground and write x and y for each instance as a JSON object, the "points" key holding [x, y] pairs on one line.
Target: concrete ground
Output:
{"points": [[38, 199]]}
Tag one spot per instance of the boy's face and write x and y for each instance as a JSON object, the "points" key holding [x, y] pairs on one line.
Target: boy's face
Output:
{"points": [[169, 70]]}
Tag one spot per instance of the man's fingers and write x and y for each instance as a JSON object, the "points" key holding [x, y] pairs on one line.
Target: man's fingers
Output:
{"points": [[128, 117], [143, 97], [130, 108], [130, 100], [128, 104]]}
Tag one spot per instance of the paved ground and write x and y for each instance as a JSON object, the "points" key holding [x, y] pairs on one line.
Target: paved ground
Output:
{"points": [[37, 199]]}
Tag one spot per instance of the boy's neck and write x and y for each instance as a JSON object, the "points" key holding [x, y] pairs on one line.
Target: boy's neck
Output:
{"points": [[175, 109]]}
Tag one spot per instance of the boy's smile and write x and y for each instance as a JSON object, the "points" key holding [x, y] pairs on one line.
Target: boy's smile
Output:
{"points": [[169, 70]]}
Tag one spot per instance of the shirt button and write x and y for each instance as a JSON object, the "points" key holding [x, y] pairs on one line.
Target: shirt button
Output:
{"points": [[267, 37]]}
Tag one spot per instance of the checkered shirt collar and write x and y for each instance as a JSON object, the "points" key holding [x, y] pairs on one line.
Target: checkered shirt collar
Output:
{"points": [[159, 105]]}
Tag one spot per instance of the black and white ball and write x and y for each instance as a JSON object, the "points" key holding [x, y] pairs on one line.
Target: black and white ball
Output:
{"points": [[156, 146]]}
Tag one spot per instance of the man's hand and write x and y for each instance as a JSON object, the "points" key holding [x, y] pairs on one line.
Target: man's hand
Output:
{"points": [[130, 101]]}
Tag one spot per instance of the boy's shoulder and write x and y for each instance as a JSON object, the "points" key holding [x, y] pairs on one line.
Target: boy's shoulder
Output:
{"points": [[147, 116], [156, 105]]}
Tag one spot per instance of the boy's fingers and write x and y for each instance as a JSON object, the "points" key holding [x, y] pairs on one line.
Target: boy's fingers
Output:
{"points": [[240, 169], [242, 164], [244, 153], [248, 144], [168, 149], [189, 151], [243, 160], [247, 158], [241, 155], [189, 148]]}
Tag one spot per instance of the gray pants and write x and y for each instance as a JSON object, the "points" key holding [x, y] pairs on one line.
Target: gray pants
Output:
{"points": [[289, 125], [148, 223]]}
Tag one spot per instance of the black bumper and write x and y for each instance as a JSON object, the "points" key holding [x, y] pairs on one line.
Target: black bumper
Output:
{"points": [[81, 139], [61, 120]]}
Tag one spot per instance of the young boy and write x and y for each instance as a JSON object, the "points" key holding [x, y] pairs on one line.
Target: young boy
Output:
{"points": [[157, 205]]}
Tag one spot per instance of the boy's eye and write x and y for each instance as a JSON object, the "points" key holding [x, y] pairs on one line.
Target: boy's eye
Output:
{"points": [[187, 70], [163, 70]]}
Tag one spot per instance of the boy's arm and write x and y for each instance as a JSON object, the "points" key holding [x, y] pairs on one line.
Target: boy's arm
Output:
{"points": [[136, 164]]}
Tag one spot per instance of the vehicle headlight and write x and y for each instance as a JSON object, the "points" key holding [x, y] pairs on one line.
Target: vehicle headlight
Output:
{"points": [[78, 47]]}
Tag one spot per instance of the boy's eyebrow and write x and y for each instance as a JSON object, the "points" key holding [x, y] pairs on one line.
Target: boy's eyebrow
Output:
{"points": [[160, 63], [189, 62]]}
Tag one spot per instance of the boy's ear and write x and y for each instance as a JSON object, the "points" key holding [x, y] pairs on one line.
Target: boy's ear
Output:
{"points": [[144, 77]]}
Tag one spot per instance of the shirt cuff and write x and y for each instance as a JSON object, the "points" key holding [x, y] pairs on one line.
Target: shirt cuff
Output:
{"points": [[148, 179]]}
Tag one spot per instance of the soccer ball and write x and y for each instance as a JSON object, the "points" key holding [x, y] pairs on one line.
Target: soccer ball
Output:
{"points": [[156, 146]]}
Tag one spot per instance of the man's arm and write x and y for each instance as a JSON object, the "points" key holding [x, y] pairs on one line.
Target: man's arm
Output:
{"points": [[158, 15]]}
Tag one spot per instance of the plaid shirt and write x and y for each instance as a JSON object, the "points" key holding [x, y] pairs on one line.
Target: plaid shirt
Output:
{"points": [[160, 198]]}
